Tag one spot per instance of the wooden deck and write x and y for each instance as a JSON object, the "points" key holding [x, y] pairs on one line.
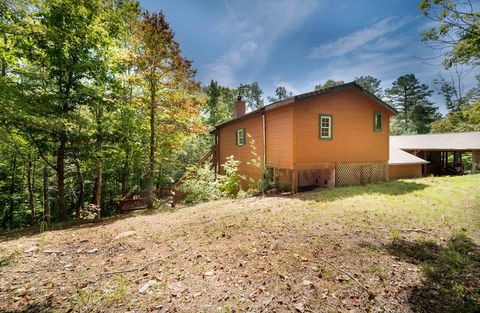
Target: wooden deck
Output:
{"points": [[138, 200]]}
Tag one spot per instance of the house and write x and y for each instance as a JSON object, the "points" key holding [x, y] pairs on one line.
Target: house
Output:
{"points": [[336, 136], [330, 137]]}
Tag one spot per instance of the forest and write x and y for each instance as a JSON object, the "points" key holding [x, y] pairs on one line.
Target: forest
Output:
{"points": [[98, 100]]}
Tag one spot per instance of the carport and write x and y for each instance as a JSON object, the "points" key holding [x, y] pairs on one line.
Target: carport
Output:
{"points": [[446, 154]]}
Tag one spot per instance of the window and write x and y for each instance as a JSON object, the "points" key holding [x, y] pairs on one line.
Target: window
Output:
{"points": [[325, 126], [377, 121], [240, 137]]}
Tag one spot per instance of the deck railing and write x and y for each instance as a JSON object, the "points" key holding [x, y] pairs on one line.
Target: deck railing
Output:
{"points": [[137, 201]]}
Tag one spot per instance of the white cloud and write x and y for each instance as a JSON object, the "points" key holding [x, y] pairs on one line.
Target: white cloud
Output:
{"points": [[353, 41], [256, 27], [385, 65]]}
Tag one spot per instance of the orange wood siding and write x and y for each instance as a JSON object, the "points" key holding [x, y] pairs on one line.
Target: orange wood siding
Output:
{"points": [[279, 137], [354, 138], [404, 171], [227, 145]]}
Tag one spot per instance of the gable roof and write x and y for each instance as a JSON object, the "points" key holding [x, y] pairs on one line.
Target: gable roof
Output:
{"points": [[315, 93], [446, 141]]}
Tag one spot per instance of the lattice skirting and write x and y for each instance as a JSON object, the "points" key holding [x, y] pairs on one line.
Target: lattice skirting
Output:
{"points": [[361, 173]]}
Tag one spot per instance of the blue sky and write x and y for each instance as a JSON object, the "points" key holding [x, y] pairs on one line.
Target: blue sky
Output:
{"points": [[300, 43]]}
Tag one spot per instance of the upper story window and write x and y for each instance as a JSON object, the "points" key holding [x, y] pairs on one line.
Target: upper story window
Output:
{"points": [[325, 126], [377, 121], [240, 137]]}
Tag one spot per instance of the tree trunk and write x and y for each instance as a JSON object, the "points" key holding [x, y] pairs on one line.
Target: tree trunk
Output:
{"points": [[97, 189], [61, 178], [81, 191], [125, 172], [8, 219], [31, 202], [46, 198], [151, 164], [4, 62]]}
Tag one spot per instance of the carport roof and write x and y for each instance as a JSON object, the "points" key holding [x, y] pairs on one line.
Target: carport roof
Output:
{"points": [[443, 142], [400, 157]]}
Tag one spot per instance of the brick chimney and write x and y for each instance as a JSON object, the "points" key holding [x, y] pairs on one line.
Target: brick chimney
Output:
{"points": [[239, 107]]}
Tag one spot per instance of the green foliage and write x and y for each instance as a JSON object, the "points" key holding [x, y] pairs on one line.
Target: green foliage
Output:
{"points": [[454, 102], [219, 104], [74, 99], [265, 183], [251, 94], [329, 83], [281, 93], [399, 126], [200, 185], [461, 121], [411, 98], [456, 30], [474, 93], [230, 183], [169, 89], [371, 84]]}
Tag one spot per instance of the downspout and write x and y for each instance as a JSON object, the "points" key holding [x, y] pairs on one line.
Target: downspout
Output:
{"points": [[217, 152], [264, 140]]}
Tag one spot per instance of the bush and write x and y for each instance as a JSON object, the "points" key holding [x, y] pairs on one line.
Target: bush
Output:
{"points": [[229, 184], [200, 185]]}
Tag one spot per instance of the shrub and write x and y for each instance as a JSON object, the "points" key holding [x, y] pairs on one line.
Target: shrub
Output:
{"points": [[266, 183], [229, 184], [200, 185]]}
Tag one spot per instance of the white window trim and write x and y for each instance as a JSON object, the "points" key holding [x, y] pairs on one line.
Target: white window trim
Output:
{"points": [[240, 138], [328, 128]]}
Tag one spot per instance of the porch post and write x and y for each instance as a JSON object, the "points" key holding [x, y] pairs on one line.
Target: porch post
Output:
{"points": [[475, 161], [294, 180]]}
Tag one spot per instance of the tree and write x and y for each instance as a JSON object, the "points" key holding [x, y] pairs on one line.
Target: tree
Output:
{"points": [[66, 40], [75, 108], [281, 93], [252, 95], [219, 104], [370, 83], [458, 30], [329, 83], [460, 121], [410, 97], [474, 93], [162, 69]]}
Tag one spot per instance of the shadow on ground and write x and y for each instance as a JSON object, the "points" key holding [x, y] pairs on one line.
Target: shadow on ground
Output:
{"points": [[451, 274], [392, 188], [77, 224]]}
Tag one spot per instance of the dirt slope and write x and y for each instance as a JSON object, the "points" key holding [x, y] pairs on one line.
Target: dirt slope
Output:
{"points": [[345, 250]]}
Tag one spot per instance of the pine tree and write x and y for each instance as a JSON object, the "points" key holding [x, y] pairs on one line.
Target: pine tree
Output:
{"points": [[410, 97]]}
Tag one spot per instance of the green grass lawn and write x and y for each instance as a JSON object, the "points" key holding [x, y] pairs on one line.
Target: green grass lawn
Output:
{"points": [[444, 204], [402, 246]]}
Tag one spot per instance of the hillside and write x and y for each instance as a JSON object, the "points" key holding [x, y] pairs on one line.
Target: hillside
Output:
{"points": [[409, 245]]}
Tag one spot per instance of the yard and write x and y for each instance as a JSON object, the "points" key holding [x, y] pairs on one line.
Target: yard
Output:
{"points": [[402, 246]]}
